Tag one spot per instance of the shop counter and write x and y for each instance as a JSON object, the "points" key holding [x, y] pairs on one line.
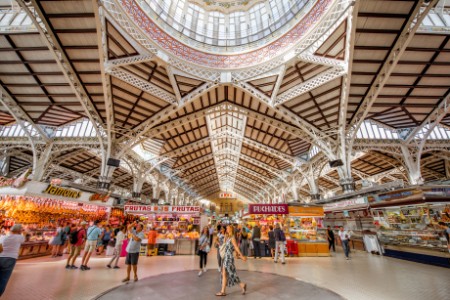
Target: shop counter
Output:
{"points": [[309, 248], [421, 254], [185, 246], [34, 249]]}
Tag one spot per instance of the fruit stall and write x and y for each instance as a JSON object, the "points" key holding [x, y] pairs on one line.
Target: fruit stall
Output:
{"points": [[40, 207], [306, 231], [177, 226]]}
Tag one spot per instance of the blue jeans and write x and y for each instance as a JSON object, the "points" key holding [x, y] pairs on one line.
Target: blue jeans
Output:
{"points": [[6, 267], [346, 247]]}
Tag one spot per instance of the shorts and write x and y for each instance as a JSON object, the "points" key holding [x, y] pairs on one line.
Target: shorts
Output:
{"points": [[90, 246], [132, 258], [75, 250]]}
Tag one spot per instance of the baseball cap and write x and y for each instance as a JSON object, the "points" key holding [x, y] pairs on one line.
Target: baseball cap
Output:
{"points": [[83, 223]]}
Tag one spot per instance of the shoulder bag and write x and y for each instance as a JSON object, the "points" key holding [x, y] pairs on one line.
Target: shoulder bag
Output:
{"points": [[222, 250]]}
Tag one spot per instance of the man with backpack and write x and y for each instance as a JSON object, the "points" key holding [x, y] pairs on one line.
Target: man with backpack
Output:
{"points": [[280, 239], [76, 239]]}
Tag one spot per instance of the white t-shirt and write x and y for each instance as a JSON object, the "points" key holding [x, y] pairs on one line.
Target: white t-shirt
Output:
{"points": [[119, 238], [11, 245], [344, 235]]}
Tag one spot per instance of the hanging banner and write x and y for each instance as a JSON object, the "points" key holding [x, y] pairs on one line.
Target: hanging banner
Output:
{"points": [[346, 204], [306, 211], [268, 209], [148, 209]]}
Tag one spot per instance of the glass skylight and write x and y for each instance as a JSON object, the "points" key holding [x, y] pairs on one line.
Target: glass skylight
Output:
{"points": [[192, 23]]}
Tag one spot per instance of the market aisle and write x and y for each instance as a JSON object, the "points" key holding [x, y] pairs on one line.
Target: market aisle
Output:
{"points": [[363, 277]]}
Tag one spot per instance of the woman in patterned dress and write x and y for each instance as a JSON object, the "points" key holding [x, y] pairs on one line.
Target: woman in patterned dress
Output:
{"points": [[229, 276]]}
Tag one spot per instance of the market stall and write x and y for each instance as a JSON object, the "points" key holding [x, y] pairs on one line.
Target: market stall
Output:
{"points": [[265, 215], [355, 216], [40, 207], [177, 226], [306, 227], [408, 224]]}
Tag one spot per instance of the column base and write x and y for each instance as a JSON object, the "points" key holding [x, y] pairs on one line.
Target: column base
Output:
{"points": [[315, 197], [103, 185], [348, 185]]}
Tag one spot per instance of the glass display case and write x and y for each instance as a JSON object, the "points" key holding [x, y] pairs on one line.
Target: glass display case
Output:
{"points": [[309, 234], [413, 232]]}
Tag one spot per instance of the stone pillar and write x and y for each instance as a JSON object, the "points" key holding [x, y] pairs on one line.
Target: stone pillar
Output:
{"points": [[411, 161], [4, 165], [41, 160]]}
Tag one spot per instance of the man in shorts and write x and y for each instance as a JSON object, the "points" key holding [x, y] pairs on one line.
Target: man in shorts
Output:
{"points": [[92, 236], [133, 247], [75, 249]]}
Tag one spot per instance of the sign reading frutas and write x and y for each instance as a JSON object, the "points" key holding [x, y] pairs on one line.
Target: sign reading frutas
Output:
{"points": [[100, 197], [59, 191], [147, 209], [268, 209]]}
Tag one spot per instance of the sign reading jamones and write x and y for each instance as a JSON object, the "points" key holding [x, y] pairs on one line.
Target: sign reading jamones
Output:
{"points": [[148, 209], [268, 209]]}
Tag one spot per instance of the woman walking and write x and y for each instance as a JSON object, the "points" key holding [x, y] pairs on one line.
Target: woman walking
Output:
{"points": [[229, 277], [118, 247], [203, 249], [57, 241]]}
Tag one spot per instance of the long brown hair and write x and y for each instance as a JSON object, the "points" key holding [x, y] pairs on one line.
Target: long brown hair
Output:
{"points": [[232, 231]]}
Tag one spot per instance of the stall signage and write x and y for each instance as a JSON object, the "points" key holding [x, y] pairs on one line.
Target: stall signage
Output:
{"points": [[147, 209], [306, 210], [100, 197], [345, 203], [397, 195], [13, 182], [270, 209], [226, 195], [59, 191]]}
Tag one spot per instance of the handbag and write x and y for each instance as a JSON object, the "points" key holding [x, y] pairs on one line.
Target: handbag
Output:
{"points": [[222, 250], [207, 249]]}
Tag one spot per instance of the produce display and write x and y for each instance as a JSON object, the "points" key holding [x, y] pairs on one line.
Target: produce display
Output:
{"points": [[413, 226], [306, 229], [41, 211]]}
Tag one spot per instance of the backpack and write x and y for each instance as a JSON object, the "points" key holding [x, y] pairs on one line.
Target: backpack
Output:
{"points": [[74, 237]]}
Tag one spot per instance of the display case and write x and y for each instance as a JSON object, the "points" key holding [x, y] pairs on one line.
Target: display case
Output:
{"points": [[414, 233], [36, 243], [309, 234]]}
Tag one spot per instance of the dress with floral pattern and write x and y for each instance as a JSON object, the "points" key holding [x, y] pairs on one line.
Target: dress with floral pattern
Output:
{"points": [[228, 265]]}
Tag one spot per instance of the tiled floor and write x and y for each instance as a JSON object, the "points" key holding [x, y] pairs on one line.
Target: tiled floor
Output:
{"points": [[365, 276]]}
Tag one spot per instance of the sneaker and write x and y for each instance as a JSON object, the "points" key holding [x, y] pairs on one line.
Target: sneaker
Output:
{"points": [[73, 267], [275, 261], [200, 273], [283, 263], [82, 268], [67, 266], [347, 258], [116, 267], [218, 269], [109, 266], [204, 270], [86, 268]]}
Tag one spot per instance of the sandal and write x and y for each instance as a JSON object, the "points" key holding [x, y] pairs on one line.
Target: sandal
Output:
{"points": [[221, 294], [136, 279], [126, 280], [244, 289]]}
